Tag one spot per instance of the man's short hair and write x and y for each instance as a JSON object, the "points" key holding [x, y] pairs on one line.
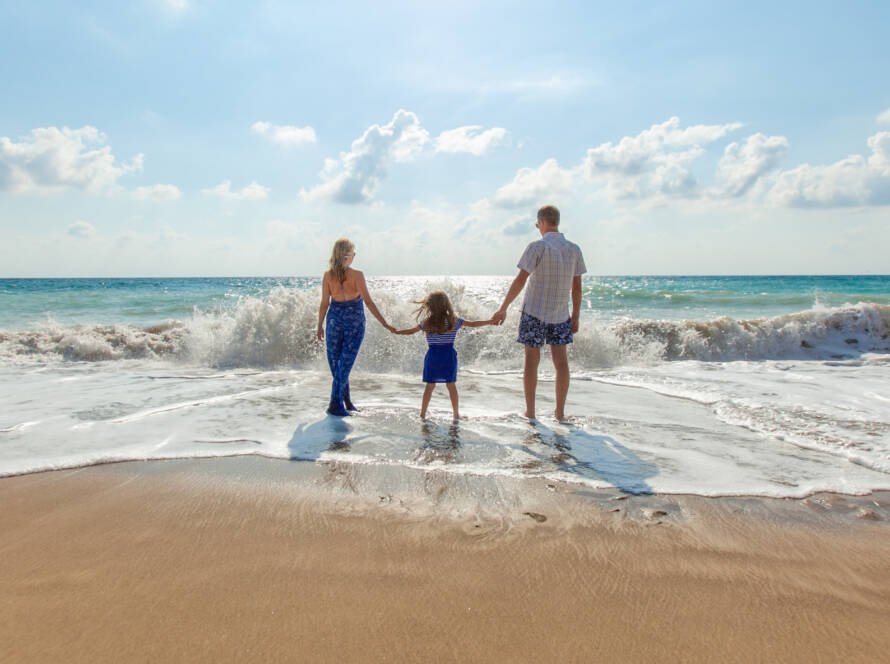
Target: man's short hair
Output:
{"points": [[550, 214]]}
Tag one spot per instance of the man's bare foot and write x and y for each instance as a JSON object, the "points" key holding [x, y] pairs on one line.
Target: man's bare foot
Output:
{"points": [[423, 414], [530, 416], [560, 417]]}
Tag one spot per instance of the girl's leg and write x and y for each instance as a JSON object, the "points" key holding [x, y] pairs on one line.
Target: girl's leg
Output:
{"points": [[452, 392], [425, 401]]}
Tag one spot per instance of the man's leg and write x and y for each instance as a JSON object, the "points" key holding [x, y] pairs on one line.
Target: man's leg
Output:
{"points": [[530, 378], [561, 364]]}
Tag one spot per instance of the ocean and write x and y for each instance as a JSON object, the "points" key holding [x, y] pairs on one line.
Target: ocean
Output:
{"points": [[767, 386]]}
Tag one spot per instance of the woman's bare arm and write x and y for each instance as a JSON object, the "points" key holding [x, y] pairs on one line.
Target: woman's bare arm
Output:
{"points": [[323, 307], [366, 296]]}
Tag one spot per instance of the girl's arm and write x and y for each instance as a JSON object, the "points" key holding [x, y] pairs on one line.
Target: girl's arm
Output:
{"points": [[409, 330], [478, 323], [323, 307], [366, 296]]}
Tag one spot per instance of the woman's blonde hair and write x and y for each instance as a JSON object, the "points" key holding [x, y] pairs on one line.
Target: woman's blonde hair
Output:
{"points": [[342, 248], [435, 313]]}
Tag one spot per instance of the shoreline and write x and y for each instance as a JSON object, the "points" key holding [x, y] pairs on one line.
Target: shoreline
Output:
{"points": [[250, 559]]}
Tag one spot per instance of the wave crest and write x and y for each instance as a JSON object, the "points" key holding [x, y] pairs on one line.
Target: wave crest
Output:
{"points": [[279, 330]]}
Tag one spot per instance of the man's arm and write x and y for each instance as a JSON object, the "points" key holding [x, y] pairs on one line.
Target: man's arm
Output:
{"points": [[515, 289], [576, 303]]}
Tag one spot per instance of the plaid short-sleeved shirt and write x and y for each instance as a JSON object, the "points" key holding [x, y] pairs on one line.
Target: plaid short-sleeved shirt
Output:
{"points": [[552, 263]]}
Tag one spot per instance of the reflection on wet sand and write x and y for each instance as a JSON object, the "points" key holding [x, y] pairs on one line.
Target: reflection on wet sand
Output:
{"points": [[439, 443], [591, 456]]}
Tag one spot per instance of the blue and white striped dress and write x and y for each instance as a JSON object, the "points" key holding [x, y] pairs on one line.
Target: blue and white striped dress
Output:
{"points": [[440, 363]]}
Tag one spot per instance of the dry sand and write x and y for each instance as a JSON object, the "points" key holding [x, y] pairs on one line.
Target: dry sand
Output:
{"points": [[204, 561]]}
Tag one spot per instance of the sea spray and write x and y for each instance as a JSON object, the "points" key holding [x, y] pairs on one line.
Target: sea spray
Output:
{"points": [[703, 385], [278, 330]]}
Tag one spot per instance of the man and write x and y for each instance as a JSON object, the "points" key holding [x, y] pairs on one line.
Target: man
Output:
{"points": [[552, 266]]}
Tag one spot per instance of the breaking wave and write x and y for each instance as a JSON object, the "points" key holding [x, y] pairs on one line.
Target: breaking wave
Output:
{"points": [[279, 330]]}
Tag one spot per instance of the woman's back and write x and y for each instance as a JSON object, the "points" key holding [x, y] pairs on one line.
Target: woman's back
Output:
{"points": [[345, 291]]}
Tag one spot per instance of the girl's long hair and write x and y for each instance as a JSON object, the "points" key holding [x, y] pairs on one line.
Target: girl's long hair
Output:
{"points": [[435, 313], [342, 248]]}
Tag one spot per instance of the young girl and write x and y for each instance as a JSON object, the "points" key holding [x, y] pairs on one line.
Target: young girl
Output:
{"points": [[437, 320]]}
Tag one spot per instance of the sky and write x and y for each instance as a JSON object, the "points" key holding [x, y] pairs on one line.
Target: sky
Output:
{"points": [[210, 138]]}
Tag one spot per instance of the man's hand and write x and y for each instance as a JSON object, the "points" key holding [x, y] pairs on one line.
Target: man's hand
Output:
{"points": [[319, 333], [576, 324], [498, 317]]}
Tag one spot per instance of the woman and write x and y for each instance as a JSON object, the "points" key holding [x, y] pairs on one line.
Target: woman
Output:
{"points": [[344, 294]]}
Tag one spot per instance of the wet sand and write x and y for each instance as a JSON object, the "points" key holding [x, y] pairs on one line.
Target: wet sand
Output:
{"points": [[260, 560]]}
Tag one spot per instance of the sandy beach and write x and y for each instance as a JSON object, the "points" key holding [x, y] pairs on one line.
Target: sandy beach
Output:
{"points": [[258, 560]]}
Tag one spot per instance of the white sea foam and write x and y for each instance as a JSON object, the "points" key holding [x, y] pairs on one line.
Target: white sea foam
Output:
{"points": [[668, 428], [279, 331], [779, 406]]}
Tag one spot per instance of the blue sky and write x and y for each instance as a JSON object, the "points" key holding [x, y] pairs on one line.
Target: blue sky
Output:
{"points": [[188, 137]]}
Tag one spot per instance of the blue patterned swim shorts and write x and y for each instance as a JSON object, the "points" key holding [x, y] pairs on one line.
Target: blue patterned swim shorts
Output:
{"points": [[535, 332]]}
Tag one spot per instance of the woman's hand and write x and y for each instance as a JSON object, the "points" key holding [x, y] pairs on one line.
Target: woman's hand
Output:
{"points": [[319, 333]]}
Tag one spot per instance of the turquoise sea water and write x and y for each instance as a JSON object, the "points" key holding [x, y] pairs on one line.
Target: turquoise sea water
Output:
{"points": [[712, 385], [25, 303]]}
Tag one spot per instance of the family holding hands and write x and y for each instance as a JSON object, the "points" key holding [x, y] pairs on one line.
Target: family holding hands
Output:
{"points": [[551, 268]]}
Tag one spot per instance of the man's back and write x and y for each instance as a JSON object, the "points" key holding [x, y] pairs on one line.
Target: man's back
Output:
{"points": [[552, 263]]}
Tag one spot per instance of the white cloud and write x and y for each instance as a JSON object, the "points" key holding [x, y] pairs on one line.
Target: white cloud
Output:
{"points": [[82, 230], [852, 181], [654, 162], [743, 164], [522, 225], [287, 135], [880, 147], [52, 158], [355, 176], [472, 139], [252, 192], [884, 118], [157, 192], [534, 185]]}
